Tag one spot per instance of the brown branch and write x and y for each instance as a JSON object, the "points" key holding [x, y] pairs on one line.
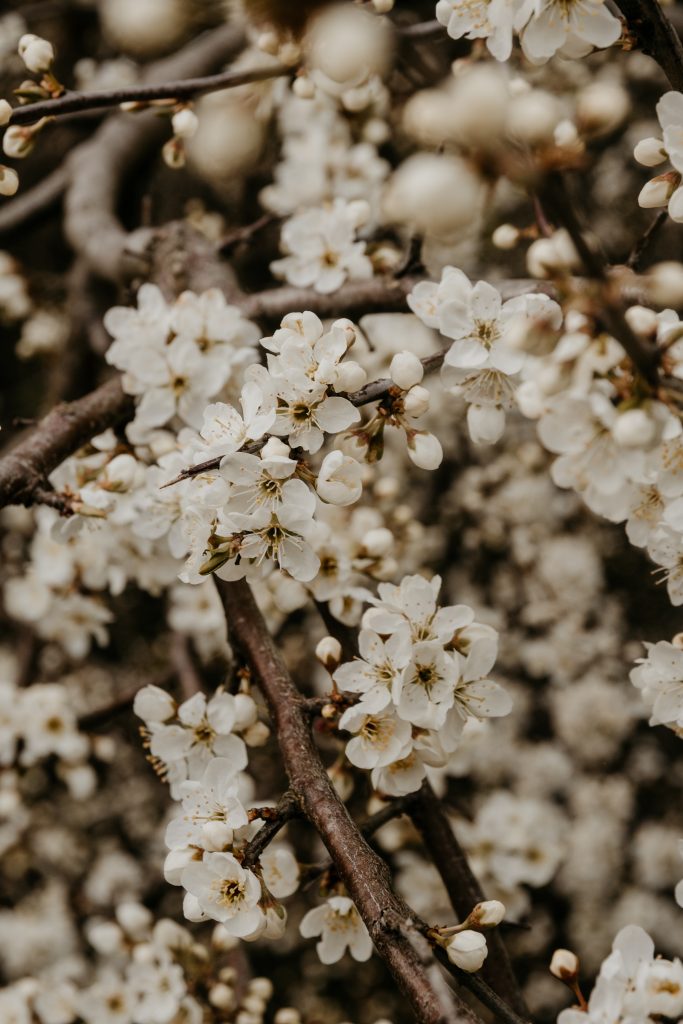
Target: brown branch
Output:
{"points": [[69, 426], [635, 259], [185, 89], [182, 657], [363, 872], [464, 891], [656, 35], [274, 820]]}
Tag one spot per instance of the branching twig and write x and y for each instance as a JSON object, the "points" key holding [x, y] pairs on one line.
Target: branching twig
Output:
{"points": [[185, 89], [275, 819], [362, 871], [656, 35]]}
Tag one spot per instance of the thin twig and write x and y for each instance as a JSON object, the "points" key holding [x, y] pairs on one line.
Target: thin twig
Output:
{"points": [[183, 89], [288, 807], [639, 249]]}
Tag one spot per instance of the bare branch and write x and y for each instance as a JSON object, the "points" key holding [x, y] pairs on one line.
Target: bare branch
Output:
{"points": [[274, 820]]}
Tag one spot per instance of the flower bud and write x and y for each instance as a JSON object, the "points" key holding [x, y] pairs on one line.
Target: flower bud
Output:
{"points": [[378, 542], [287, 1015], [467, 950], [36, 53], [262, 987], [9, 181], [659, 190], [246, 712], [424, 450], [564, 965], [134, 918], [221, 996], [303, 87], [339, 480], [275, 448], [152, 704], [416, 401], [665, 283], [256, 735], [192, 908], [533, 117], [642, 320], [506, 236], [5, 112], [434, 194], [601, 107], [329, 653], [383, 6], [350, 376], [184, 123], [650, 152], [18, 141], [634, 429], [487, 914], [406, 370], [348, 44]]}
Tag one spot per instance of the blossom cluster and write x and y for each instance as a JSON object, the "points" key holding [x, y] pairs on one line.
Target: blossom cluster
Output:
{"points": [[421, 673]]}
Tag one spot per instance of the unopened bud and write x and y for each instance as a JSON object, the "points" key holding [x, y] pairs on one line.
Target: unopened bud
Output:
{"points": [[18, 141], [216, 835], [303, 87], [665, 283], [487, 914], [406, 370], [564, 965], [506, 236], [5, 112], [222, 997], [184, 123], [416, 402], [350, 376], [659, 190], [329, 653], [650, 152], [378, 542], [642, 320], [678, 641], [36, 53], [424, 450], [256, 735], [9, 181], [467, 950]]}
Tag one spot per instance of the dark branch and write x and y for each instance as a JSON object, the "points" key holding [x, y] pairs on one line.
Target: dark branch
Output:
{"points": [[464, 891], [26, 467], [184, 89], [274, 820], [363, 872], [656, 35]]}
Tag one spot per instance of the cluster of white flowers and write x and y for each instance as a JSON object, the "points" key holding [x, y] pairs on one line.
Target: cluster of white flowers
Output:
{"points": [[545, 27], [422, 672], [321, 246], [200, 747], [633, 984], [664, 189], [489, 336], [177, 358], [38, 722], [659, 677], [147, 973]]}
